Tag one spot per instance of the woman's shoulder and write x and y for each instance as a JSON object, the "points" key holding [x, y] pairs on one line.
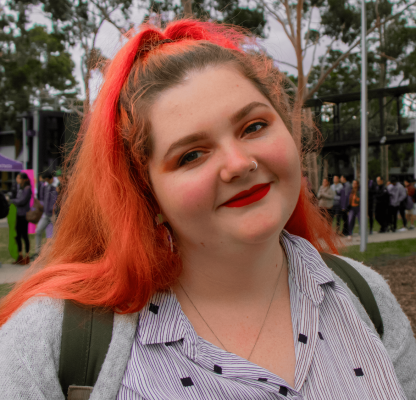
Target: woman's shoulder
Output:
{"points": [[29, 350], [39, 316], [397, 328]]}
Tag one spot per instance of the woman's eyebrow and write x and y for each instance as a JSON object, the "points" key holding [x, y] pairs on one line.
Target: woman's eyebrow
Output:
{"points": [[195, 137], [239, 115]]}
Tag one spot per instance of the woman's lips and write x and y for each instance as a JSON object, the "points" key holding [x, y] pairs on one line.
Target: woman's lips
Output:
{"points": [[246, 197]]}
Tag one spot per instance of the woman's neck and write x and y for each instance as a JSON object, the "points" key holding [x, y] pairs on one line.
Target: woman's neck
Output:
{"points": [[232, 273]]}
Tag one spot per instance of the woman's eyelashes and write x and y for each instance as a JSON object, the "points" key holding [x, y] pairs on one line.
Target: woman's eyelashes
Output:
{"points": [[194, 155], [190, 157], [255, 127]]}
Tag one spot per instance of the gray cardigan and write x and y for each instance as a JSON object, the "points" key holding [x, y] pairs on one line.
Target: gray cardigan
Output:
{"points": [[30, 345]]}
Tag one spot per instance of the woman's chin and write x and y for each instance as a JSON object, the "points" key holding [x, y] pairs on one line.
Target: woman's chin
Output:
{"points": [[259, 230]]}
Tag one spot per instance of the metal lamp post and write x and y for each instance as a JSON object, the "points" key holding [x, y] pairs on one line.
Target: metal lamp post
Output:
{"points": [[364, 133]]}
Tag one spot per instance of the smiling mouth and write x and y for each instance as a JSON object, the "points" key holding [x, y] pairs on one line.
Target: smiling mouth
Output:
{"points": [[246, 197]]}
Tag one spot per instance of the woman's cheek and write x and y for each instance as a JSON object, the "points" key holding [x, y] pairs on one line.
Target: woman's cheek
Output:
{"points": [[283, 158], [193, 195]]}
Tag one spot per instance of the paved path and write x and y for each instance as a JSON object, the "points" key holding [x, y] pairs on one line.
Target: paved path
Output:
{"points": [[10, 273], [383, 237]]}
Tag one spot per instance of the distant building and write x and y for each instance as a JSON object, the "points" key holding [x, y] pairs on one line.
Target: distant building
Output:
{"points": [[47, 135]]}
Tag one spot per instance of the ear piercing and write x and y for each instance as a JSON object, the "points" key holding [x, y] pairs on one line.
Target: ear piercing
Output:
{"points": [[255, 166]]}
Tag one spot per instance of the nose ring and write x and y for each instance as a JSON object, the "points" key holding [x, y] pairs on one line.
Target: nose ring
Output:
{"points": [[255, 167]]}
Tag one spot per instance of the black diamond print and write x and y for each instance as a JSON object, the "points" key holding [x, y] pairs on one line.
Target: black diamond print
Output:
{"points": [[187, 382], [320, 336], [263, 379], [154, 308], [283, 390], [217, 369], [303, 338], [358, 372]]}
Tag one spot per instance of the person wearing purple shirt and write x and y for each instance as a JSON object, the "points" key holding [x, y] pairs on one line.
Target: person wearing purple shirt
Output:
{"points": [[49, 200]]}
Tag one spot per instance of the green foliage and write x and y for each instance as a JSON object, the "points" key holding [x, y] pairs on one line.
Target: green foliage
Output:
{"points": [[226, 11], [34, 65], [341, 20]]}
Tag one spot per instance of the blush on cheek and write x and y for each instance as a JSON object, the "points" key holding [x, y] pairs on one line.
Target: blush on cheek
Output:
{"points": [[194, 196]]}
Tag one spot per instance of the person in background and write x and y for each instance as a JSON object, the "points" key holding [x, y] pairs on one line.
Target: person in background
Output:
{"points": [[41, 189], [45, 222], [382, 203], [336, 209], [410, 188], [371, 192], [397, 194], [354, 203], [344, 199], [326, 199], [22, 202]]}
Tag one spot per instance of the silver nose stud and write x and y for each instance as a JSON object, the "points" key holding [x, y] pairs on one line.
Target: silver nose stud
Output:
{"points": [[255, 166]]}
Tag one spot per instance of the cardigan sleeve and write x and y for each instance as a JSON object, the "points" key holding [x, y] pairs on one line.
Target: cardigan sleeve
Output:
{"points": [[29, 351], [398, 338]]}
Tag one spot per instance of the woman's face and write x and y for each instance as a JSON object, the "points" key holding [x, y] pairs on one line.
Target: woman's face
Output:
{"points": [[354, 184], [206, 134], [18, 179], [325, 182]]}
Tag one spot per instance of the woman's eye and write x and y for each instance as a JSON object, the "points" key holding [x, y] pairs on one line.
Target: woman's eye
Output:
{"points": [[255, 127], [189, 157]]}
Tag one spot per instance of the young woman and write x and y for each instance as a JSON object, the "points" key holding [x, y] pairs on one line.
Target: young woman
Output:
{"points": [[354, 203], [186, 213], [22, 202]]}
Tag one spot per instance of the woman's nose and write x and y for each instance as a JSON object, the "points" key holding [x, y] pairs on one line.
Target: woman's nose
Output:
{"points": [[237, 164]]}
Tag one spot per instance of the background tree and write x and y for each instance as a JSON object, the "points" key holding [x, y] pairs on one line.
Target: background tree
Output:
{"points": [[35, 69], [79, 21], [392, 48], [227, 11], [339, 23]]}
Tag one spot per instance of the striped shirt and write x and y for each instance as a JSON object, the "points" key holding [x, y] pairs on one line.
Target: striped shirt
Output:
{"points": [[337, 355]]}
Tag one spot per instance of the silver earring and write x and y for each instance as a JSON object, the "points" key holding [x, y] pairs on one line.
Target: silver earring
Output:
{"points": [[255, 166], [160, 223]]}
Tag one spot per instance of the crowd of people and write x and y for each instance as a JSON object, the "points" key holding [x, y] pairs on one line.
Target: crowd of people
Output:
{"points": [[386, 200], [48, 188]]}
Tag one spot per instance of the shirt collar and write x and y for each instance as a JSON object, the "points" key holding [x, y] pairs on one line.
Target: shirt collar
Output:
{"points": [[162, 319], [306, 267]]}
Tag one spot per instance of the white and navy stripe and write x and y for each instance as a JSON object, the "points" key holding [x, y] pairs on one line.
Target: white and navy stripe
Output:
{"points": [[337, 355]]}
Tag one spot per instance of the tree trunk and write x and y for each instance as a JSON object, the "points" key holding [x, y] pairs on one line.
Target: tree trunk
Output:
{"points": [[311, 165], [384, 159], [187, 8]]}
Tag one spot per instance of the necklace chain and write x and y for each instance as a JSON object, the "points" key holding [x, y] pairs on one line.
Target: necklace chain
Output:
{"points": [[265, 318]]}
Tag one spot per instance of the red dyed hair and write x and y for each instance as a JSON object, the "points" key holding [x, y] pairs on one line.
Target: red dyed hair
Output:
{"points": [[107, 250]]}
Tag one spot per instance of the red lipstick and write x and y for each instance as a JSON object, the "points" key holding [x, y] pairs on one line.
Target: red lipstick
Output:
{"points": [[246, 197]]}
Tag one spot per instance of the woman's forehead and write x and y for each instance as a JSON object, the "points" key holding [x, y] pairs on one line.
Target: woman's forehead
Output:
{"points": [[207, 99]]}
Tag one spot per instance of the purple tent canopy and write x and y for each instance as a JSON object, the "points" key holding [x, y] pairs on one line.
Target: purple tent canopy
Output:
{"points": [[6, 164]]}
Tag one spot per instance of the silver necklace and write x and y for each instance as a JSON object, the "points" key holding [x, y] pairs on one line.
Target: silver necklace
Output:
{"points": [[265, 318]]}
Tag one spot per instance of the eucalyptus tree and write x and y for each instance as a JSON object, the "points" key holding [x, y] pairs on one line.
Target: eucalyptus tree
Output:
{"points": [[36, 68]]}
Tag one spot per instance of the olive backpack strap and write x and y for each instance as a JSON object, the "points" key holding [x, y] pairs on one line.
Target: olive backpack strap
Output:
{"points": [[358, 285], [86, 336]]}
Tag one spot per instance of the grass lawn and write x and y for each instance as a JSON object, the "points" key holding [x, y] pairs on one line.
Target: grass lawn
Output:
{"points": [[5, 288], [392, 250], [5, 257]]}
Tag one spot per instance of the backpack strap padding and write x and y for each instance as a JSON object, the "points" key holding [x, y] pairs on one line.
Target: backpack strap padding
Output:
{"points": [[86, 336], [358, 285]]}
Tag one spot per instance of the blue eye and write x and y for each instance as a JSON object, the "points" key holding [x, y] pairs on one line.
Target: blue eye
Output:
{"points": [[189, 157], [257, 126]]}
